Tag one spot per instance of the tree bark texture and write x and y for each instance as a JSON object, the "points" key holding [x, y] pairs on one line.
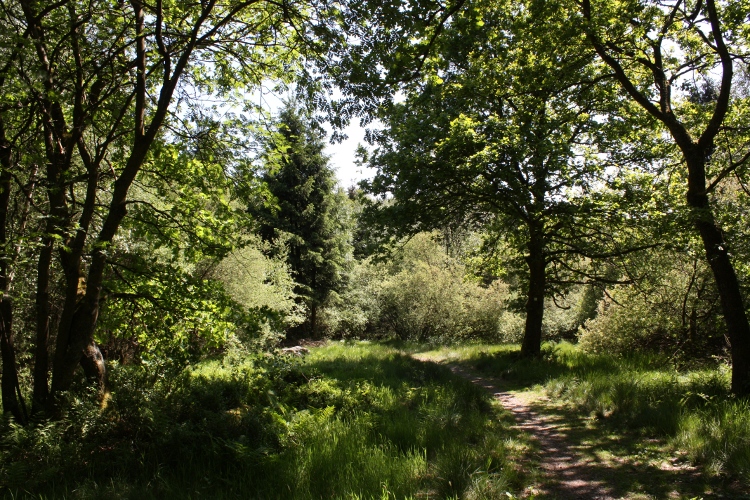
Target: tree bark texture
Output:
{"points": [[717, 254], [532, 335], [12, 398]]}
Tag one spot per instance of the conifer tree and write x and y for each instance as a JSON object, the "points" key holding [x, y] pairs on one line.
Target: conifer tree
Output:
{"points": [[303, 208]]}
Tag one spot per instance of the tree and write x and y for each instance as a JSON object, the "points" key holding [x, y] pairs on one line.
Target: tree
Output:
{"points": [[14, 212], [498, 132], [161, 299], [654, 47], [304, 207], [100, 81]]}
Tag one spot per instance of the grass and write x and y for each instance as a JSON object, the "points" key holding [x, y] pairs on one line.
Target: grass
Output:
{"points": [[348, 421], [365, 420], [691, 410], [404, 428]]}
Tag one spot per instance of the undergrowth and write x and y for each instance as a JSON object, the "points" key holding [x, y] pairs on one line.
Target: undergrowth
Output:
{"points": [[349, 421]]}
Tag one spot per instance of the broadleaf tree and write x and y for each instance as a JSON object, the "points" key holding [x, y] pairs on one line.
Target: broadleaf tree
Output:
{"points": [[663, 54], [101, 83], [498, 131], [660, 52]]}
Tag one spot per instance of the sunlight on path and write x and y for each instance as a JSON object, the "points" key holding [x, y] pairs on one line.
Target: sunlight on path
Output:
{"points": [[567, 473], [574, 461]]}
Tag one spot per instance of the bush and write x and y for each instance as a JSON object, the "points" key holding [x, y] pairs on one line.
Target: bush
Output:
{"points": [[675, 311], [421, 294], [429, 302], [354, 312], [263, 287]]}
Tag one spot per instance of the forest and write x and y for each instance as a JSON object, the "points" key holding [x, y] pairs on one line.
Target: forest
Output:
{"points": [[541, 292]]}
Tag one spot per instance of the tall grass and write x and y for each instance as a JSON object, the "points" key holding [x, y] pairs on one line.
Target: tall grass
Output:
{"points": [[718, 435], [349, 421], [404, 428], [692, 409]]}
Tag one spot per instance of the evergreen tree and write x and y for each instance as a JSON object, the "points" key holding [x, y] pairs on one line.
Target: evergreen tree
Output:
{"points": [[303, 209]]}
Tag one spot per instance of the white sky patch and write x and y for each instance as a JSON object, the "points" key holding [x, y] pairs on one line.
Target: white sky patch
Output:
{"points": [[342, 157]]}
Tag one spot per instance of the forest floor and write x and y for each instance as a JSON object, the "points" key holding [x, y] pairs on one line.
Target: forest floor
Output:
{"points": [[575, 458]]}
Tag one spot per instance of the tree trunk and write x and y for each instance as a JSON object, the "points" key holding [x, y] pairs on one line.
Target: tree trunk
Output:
{"points": [[41, 353], [532, 335], [75, 342], [695, 153], [11, 390], [94, 367], [75, 337], [727, 283], [76, 345]]}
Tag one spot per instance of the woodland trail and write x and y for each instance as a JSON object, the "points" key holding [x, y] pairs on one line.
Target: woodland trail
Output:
{"points": [[575, 461]]}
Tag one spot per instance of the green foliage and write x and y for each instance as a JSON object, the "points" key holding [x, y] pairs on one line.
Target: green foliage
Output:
{"points": [[152, 433], [166, 315], [354, 312], [698, 121], [169, 311], [351, 421], [115, 121], [421, 293], [426, 301], [183, 202], [185, 277], [303, 207], [497, 132], [264, 289], [732, 200], [673, 309]]}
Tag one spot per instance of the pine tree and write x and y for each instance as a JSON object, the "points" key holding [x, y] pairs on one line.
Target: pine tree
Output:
{"points": [[303, 208]]}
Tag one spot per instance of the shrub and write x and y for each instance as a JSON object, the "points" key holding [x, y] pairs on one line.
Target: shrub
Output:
{"points": [[263, 287], [674, 311], [420, 294]]}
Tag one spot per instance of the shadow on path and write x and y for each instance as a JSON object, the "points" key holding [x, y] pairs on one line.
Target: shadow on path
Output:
{"points": [[580, 459]]}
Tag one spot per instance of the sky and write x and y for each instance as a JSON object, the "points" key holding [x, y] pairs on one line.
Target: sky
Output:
{"points": [[342, 157]]}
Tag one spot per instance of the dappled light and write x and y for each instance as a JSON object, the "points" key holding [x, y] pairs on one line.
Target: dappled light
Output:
{"points": [[540, 291]]}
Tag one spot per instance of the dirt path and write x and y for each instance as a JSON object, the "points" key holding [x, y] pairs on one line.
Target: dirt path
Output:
{"points": [[576, 462], [566, 472]]}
